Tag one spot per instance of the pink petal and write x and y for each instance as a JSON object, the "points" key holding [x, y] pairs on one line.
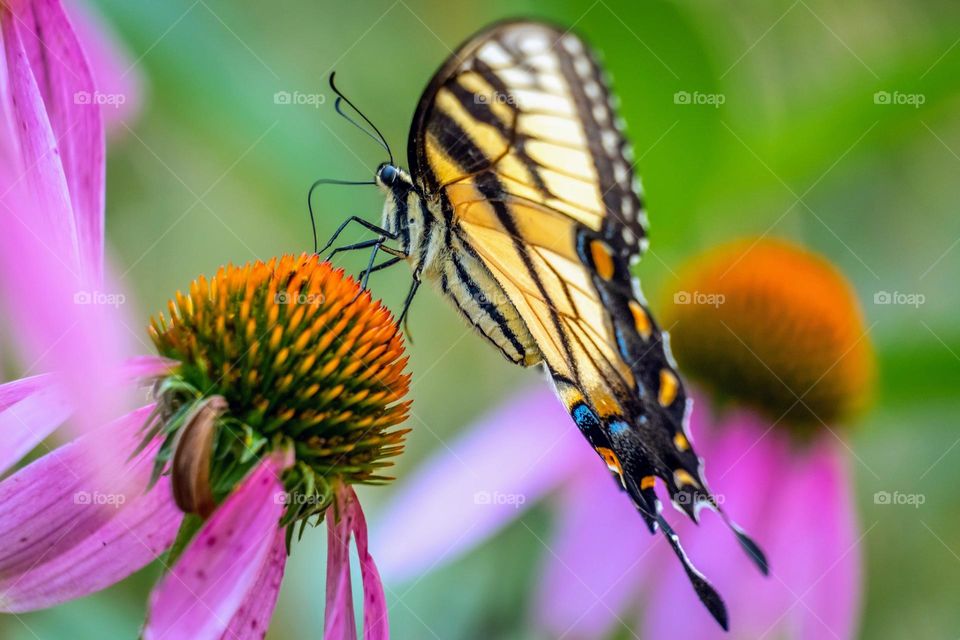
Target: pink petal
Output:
{"points": [[61, 499], [116, 75], [63, 330], [13, 392], [40, 169], [338, 617], [601, 553], [202, 593], [28, 418], [819, 548], [375, 626], [139, 533], [32, 408], [68, 95], [478, 483], [252, 618]]}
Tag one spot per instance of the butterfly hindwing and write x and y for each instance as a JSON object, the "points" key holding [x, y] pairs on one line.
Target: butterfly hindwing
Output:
{"points": [[517, 144]]}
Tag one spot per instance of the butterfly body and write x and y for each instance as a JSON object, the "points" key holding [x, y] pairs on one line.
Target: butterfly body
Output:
{"points": [[522, 207]]}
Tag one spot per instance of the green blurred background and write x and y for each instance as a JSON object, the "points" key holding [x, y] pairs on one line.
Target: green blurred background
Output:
{"points": [[213, 171]]}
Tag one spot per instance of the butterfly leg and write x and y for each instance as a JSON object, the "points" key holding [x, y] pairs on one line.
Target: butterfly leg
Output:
{"points": [[366, 244], [377, 247], [361, 222], [402, 320]]}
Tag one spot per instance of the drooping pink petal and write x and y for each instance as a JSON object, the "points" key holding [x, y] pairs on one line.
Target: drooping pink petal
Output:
{"points": [[61, 499], [35, 164], [115, 74], [60, 325], [375, 625], [478, 483], [220, 567], [252, 618], [819, 549], [599, 555], [338, 617], [68, 94], [139, 533], [27, 419]]}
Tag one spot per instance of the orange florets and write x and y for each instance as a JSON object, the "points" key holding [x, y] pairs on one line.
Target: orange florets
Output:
{"points": [[774, 326]]}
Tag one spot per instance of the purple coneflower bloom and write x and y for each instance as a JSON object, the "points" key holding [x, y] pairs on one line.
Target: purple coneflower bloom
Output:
{"points": [[774, 336], [276, 390]]}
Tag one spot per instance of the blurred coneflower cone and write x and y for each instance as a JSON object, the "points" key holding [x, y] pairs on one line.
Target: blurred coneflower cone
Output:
{"points": [[286, 355], [770, 325]]}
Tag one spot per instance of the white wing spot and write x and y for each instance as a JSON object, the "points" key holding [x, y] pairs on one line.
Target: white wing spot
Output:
{"points": [[494, 55]]}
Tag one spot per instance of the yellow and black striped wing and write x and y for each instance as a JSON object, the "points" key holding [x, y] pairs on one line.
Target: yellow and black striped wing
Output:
{"points": [[517, 142]]}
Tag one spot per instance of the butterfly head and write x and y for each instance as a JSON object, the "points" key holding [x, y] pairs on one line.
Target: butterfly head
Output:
{"points": [[402, 213]]}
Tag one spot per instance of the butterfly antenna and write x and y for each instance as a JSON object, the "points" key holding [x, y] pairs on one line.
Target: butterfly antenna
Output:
{"points": [[336, 105], [313, 222], [340, 96]]}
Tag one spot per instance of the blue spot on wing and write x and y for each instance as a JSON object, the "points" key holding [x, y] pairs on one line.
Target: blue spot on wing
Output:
{"points": [[585, 418], [618, 427]]}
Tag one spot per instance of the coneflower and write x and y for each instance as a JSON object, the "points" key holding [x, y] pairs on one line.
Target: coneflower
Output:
{"points": [[277, 390], [282, 387]]}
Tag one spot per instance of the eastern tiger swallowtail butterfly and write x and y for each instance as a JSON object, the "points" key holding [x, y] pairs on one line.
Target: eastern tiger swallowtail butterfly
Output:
{"points": [[522, 206]]}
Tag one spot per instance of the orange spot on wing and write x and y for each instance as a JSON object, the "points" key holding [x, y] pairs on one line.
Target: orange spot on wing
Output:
{"points": [[668, 388], [609, 457], [648, 482], [680, 442], [602, 258], [641, 320]]}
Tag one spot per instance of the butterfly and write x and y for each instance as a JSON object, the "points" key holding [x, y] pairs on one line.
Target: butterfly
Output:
{"points": [[521, 205]]}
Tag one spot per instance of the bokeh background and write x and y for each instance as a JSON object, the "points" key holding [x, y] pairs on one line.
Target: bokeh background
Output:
{"points": [[803, 146]]}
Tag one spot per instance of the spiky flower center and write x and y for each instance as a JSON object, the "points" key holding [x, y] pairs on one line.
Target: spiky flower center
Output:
{"points": [[284, 354], [774, 326]]}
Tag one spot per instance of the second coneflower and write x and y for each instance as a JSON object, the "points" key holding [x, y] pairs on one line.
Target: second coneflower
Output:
{"points": [[282, 386]]}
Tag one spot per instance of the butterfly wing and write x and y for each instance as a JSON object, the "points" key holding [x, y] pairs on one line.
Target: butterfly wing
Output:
{"points": [[517, 142]]}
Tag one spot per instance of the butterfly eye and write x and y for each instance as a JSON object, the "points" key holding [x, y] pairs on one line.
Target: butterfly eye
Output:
{"points": [[387, 174]]}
